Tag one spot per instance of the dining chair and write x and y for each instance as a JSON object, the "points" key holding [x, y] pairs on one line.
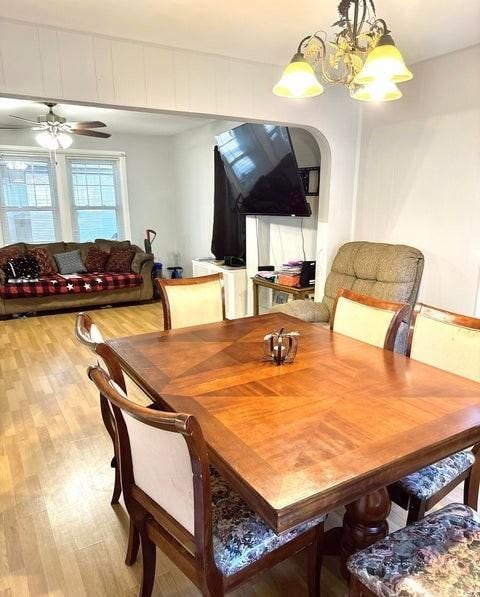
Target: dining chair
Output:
{"points": [[438, 556], [87, 332], [192, 301], [451, 342], [182, 505], [367, 319]]}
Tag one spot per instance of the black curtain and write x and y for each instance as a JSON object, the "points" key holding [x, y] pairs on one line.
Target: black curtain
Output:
{"points": [[228, 237]]}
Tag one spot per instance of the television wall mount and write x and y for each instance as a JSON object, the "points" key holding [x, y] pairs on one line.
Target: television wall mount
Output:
{"points": [[311, 180]]}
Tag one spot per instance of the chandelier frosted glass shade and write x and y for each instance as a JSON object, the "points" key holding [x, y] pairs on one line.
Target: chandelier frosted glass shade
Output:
{"points": [[52, 141], [384, 62], [298, 80], [380, 90]]}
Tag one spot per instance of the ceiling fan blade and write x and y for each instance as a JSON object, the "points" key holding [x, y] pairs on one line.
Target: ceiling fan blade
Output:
{"points": [[25, 119], [96, 124], [14, 128], [92, 134]]}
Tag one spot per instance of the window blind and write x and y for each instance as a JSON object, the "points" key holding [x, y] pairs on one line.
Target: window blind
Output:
{"points": [[95, 198], [28, 199]]}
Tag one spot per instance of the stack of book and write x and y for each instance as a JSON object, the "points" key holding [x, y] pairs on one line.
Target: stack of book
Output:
{"points": [[289, 273], [267, 275]]}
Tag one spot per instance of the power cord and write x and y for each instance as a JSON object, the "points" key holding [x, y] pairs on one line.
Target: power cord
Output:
{"points": [[303, 240]]}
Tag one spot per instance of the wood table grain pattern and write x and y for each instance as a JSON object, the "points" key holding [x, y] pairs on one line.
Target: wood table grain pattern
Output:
{"points": [[334, 428]]}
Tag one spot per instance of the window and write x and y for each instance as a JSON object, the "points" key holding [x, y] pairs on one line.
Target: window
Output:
{"points": [[79, 196], [94, 198], [28, 206]]}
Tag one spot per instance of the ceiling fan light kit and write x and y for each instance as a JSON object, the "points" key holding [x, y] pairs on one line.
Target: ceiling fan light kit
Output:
{"points": [[54, 132], [362, 57]]}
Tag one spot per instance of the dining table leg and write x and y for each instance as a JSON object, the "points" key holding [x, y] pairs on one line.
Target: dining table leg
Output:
{"points": [[364, 522]]}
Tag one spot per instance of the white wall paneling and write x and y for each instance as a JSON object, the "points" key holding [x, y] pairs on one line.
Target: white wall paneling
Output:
{"points": [[234, 87], [159, 76], [180, 80], [50, 56], [21, 59], [81, 81], [201, 83], [129, 73], [104, 70]]}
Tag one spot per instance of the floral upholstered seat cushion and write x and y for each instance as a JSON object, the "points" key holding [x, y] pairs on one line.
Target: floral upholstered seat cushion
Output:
{"points": [[436, 557], [240, 537], [429, 480]]}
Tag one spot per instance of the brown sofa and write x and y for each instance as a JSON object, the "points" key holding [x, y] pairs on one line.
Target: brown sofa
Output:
{"points": [[142, 264]]}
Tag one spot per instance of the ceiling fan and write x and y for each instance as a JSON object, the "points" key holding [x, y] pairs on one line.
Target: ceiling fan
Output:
{"points": [[54, 132]]}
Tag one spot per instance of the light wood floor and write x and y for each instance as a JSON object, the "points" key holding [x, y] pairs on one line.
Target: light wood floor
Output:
{"points": [[58, 533]]}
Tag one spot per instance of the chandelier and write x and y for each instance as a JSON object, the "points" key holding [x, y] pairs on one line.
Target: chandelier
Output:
{"points": [[362, 56]]}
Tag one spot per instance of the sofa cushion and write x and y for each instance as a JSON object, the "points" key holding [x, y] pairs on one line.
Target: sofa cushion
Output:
{"points": [[44, 259], [70, 262], [7, 253], [139, 259], [96, 259], [120, 259], [105, 244], [52, 248], [82, 247], [58, 285], [57, 247]]}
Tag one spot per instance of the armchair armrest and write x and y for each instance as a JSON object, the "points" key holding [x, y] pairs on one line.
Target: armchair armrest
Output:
{"points": [[140, 260], [305, 310]]}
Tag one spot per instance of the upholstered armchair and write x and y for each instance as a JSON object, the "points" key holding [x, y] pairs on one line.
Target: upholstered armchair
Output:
{"points": [[387, 272]]}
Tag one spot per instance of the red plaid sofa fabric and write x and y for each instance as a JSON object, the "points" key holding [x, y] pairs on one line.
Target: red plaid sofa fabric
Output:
{"points": [[60, 285]]}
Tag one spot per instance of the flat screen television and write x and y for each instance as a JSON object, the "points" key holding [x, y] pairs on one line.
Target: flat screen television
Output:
{"points": [[262, 168]]}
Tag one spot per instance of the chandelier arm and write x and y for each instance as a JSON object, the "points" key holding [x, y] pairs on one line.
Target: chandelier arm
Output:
{"points": [[355, 21], [383, 23], [364, 15], [323, 59], [308, 38]]}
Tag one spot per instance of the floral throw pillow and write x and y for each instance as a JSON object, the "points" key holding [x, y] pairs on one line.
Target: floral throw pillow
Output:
{"points": [[6, 254], [41, 254], [120, 260], [96, 260]]}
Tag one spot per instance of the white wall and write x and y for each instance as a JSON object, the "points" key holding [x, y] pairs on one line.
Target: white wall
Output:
{"points": [[420, 176], [193, 174], [193, 168], [149, 181], [285, 233]]}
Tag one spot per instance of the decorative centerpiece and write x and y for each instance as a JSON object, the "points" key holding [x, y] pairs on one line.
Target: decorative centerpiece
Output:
{"points": [[280, 347]]}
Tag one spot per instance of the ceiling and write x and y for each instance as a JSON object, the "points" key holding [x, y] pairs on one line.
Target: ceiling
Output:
{"points": [[262, 31], [118, 121]]}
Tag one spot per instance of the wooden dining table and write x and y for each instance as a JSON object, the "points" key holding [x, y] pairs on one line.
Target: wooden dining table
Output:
{"points": [[334, 428]]}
